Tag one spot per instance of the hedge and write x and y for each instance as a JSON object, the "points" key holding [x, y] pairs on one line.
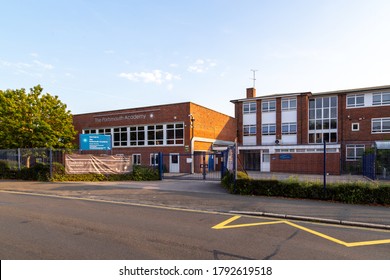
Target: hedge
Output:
{"points": [[351, 192]]}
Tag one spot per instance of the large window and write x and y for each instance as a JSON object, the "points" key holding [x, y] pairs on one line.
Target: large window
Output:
{"points": [[149, 135], [137, 136], [120, 136], [382, 98], [380, 125], [323, 120], [175, 134], [249, 107], [268, 129], [355, 100], [155, 135], [289, 128], [289, 104], [268, 105], [354, 152], [249, 130]]}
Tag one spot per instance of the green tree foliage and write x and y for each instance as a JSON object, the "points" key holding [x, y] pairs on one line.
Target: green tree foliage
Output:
{"points": [[32, 120]]}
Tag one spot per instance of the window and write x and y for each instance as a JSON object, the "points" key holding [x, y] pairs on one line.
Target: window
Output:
{"points": [[154, 159], [250, 108], [155, 135], [105, 131], [289, 128], [355, 100], [355, 127], [289, 104], [354, 152], [137, 136], [269, 106], [382, 98], [89, 131], [249, 130], [268, 129], [175, 134], [136, 158], [323, 119], [380, 125], [120, 137]]}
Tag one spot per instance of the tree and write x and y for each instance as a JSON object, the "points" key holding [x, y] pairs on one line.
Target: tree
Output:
{"points": [[34, 120]]}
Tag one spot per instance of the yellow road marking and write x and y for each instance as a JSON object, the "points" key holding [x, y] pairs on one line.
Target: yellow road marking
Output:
{"points": [[226, 225]]}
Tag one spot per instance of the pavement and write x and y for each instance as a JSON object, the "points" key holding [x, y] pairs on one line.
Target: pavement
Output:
{"points": [[209, 196]]}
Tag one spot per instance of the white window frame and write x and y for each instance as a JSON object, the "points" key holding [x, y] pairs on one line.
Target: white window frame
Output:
{"points": [[354, 148], [249, 130], [357, 126], [153, 159], [290, 129], [266, 106], [380, 120], [355, 98], [249, 108], [381, 102], [290, 103], [136, 159], [268, 126]]}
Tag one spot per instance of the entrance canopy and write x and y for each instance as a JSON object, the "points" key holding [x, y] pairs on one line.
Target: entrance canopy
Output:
{"points": [[382, 145]]}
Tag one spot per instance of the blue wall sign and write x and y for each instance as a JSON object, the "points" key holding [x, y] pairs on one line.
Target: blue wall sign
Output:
{"points": [[95, 142], [285, 156]]}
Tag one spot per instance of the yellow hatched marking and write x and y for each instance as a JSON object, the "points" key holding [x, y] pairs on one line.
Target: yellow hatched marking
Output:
{"points": [[226, 225]]}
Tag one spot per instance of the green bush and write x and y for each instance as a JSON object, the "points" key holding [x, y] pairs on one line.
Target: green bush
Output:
{"points": [[144, 173], [4, 169], [353, 192], [38, 172]]}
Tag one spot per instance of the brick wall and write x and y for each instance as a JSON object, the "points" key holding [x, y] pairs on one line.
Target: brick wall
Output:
{"points": [[306, 163]]}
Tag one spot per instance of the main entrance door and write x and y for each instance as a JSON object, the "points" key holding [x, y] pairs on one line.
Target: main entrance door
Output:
{"points": [[265, 161]]}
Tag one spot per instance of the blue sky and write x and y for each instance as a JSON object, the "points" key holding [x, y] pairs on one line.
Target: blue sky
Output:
{"points": [[105, 55]]}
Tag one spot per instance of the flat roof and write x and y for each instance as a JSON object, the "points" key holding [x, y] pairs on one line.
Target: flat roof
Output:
{"points": [[269, 96], [377, 88]]}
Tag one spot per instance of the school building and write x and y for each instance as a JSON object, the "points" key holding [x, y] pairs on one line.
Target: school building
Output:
{"points": [[173, 129], [286, 132]]}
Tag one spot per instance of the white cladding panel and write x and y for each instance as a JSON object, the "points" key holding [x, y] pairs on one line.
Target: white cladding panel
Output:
{"points": [[249, 119], [268, 117], [249, 140]]}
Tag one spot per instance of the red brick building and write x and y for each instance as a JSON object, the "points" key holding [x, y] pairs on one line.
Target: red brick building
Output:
{"points": [[286, 132], [173, 129]]}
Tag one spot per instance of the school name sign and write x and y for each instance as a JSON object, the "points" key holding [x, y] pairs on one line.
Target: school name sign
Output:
{"points": [[95, 142]]}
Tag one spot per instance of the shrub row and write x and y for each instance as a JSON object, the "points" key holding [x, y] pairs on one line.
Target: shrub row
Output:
{"points": [[351, 192], [41, 172]]}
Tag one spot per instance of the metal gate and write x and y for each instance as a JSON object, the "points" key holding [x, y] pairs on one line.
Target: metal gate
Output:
{"points": [[369, 166], [192, 166]]}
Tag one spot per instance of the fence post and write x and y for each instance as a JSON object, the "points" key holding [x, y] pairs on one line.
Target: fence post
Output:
{"points": [[160, 165], [324, 166], [51, 162], [19, 160], [204, 165]]}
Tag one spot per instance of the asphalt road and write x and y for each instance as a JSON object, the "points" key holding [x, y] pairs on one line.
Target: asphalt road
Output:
{"points": [[44, 227]]}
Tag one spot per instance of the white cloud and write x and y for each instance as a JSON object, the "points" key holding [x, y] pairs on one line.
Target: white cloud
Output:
{"points": [[43, 65], [201, 65], [156, 76]]}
